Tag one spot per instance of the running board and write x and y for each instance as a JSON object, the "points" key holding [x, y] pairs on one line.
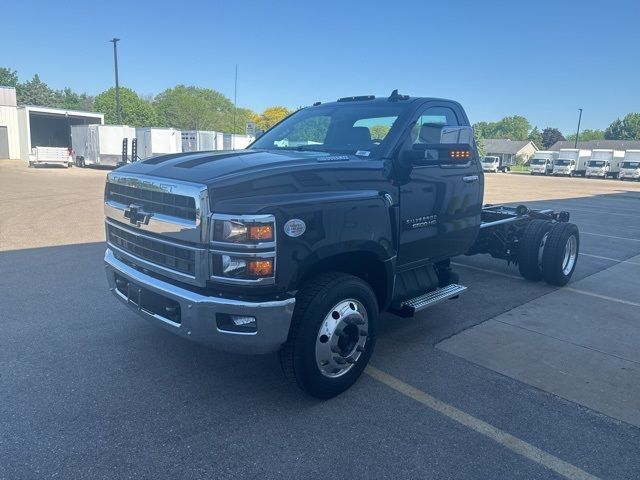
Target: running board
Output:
{"points": [[410, 307]]}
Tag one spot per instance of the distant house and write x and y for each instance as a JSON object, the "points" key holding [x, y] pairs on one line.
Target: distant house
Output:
{"points": [[508, 150], [605, 144]]}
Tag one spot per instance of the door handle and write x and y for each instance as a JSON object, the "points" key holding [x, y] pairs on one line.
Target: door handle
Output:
{"points": [[470, 178]]}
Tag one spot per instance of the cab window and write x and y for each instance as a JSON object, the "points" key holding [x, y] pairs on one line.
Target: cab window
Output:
{"points": [[428, 128]]}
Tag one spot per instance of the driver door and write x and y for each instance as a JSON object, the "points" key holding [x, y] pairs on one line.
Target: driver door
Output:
{"points": [[441, 202]]}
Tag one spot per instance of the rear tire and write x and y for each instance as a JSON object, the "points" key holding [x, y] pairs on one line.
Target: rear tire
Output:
{"points": [[332, 334], [560, 255], [531, 245]]}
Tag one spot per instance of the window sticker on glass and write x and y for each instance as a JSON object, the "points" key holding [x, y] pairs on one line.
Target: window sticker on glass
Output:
{"points": [[363, 153]]}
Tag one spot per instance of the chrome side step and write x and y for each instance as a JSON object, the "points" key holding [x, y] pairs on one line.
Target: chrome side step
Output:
{"points": [[431, 298]]}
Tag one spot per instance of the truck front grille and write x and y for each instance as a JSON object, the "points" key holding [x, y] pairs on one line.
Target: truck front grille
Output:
{"points": [[152, 201], [180, 259]]}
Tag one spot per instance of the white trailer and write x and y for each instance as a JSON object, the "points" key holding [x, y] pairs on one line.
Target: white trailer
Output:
{"points": [[198, 140], [50, 156], [604, 163], [542, 162], [571, 161], [630, 167], [100, 144], [152, 141]]}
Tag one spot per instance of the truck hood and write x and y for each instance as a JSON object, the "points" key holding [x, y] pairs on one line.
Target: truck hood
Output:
{"points": [[212, 167]]}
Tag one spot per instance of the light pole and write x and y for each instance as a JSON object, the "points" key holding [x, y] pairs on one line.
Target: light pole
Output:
{"points": [[115, 61], [575, 145]]}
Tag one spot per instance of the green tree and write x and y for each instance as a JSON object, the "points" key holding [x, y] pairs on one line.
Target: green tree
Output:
{"points": [[550, 136], [8, 77], [587, 134], [35, 92], [626, 129], [477, 135], [378, 132], [535, 136], [194, 108], [270, 117], [515, 127], [136, 112], [71, 100]]}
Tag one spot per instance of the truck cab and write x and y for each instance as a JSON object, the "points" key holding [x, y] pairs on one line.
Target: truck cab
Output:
{"points": [[542, 163], [295, 245], [492, 163], [630, 167], [564, 166]]}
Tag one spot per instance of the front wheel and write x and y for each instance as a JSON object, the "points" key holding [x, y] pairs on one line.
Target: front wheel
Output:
{"points": [[332, 335]]}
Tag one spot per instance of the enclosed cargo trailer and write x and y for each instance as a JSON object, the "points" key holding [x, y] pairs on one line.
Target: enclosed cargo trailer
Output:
{"points": [[198, 140], [154, 141], [100, 144]]}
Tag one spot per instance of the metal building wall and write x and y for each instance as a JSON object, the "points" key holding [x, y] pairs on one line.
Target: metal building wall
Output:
{"points": [[9, 119]]}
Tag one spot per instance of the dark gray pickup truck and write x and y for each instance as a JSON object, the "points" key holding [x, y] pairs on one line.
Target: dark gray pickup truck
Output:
{"points": [[297, 244]]}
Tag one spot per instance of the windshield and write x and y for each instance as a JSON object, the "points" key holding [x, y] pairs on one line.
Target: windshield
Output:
{"points": [[538, 161], [596, 163], [489, 159], [563, 162], [336, 129]]}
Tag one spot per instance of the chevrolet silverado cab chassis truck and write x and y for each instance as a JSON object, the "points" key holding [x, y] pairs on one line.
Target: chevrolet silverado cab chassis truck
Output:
{"points": [[297, 244]]}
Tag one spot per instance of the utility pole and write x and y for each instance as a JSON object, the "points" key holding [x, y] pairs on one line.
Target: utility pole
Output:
{"points": [[575, 145], [235, 103], [115, 61]]}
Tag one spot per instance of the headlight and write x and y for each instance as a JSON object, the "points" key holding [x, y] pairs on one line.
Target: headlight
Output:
{"points": [[241, 229], [243, 268], [243, 249]]}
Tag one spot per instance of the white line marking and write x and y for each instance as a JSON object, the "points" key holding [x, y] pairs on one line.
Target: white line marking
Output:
{"points": [[603, 297], [505, 439], [569, 289], [610, 259], [494, 272], [612, 236]]}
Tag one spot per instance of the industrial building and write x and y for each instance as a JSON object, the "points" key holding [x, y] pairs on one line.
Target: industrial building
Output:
{"points": [[25, 127]]}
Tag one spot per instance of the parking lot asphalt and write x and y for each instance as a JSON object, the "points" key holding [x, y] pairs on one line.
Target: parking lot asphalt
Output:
{"points": [[512, 380]]}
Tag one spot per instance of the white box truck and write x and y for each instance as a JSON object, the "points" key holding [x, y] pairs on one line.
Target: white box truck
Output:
{"points": [[571, 162], [198, 140], [100, 144], [630, 167], [154, 141], [542, 162], [51, 156], [604, 163]]}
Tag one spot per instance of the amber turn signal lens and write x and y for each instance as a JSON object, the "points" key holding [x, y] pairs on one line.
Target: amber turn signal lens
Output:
{"points": [[260, 232], [260, 268], [460, 154]]}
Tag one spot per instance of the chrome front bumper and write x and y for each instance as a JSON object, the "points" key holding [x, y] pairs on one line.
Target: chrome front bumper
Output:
{"points": [[198, 313]]}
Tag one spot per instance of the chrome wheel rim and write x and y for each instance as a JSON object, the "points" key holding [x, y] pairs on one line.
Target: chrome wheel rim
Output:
{"points": [[570, 254], [341, 338]]}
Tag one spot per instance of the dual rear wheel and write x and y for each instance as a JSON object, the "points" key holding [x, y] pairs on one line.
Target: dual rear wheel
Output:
{"points": [[549, 251]]}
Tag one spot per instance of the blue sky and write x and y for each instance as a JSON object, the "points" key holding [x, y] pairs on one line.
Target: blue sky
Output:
{"points": [[542, 59]]}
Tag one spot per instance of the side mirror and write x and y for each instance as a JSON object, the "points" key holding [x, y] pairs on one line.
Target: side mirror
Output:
{"points": [[439, 145]]}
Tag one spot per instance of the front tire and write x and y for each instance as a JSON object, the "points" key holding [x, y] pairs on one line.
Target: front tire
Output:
{"points": [[332, 334]]}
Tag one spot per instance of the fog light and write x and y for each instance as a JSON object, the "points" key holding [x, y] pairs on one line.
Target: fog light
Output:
{"points": [[236, 323]]}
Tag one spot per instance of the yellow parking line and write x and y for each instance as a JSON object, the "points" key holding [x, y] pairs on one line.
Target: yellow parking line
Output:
{"points": [[505, 439]]}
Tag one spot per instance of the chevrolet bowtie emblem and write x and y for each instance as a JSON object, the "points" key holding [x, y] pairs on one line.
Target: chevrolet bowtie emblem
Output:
{"points": [[137, 216]]}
